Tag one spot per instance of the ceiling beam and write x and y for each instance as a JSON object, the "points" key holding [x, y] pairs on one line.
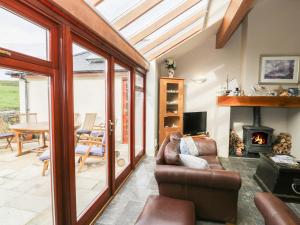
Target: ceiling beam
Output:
{"points": [[163, 20], [81, 13], [187, 22], [174, 43], [236, 12], [135, 13], [96, 2]]}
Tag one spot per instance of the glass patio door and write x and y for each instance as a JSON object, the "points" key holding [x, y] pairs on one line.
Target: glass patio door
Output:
{"points": [[91, 151], [121, 122]]}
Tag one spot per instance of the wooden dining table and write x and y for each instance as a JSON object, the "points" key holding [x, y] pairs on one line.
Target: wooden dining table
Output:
{"points": [[31, 128]]}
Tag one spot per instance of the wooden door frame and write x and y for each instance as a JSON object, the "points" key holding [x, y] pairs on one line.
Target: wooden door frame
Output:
{"points": [[101, 199], [63, 28], [142, 152], [117, 181], [49, 69]]}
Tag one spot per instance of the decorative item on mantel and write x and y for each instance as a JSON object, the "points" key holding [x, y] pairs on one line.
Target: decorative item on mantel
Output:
{"points": [[236, 144], [231, 88], [283, 144], [171, 66]]}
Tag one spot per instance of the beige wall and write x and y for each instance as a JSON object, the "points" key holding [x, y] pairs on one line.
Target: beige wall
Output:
{"points": [[271, 28], [89, 97], [294, 129]]}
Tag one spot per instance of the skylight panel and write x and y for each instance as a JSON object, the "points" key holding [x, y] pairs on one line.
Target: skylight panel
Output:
{"points": [[150, 17], [198, 8], [196, 24], [112, 9]]}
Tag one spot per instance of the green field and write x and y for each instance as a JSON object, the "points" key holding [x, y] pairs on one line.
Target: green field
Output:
{"points": [[9, 95]]}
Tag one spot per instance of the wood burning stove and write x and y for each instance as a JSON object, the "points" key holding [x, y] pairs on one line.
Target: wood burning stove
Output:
{"points": [[257, 138]]}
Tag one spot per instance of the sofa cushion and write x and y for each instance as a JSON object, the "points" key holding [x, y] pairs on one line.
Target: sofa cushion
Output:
{"points": [[161, 210], [194, 162], [188, 147], [213, 162], [171, 155], [205, 146], [175, 137]]}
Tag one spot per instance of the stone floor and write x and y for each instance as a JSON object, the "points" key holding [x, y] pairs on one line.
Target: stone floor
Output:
{"points": [[128, 203], [25, 195]]}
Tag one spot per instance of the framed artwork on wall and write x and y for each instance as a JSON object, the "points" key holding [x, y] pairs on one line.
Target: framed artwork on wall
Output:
{"points": [[279, 70]]}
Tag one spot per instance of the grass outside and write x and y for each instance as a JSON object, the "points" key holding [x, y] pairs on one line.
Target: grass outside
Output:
{"points": [[9, 95]]}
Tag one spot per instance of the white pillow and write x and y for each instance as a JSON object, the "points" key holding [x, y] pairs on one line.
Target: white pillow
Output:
{"points": [[193, 162], [189, 144]]}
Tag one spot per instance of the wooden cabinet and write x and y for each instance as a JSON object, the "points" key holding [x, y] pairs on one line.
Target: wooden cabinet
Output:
{"points": [[171, 91]]}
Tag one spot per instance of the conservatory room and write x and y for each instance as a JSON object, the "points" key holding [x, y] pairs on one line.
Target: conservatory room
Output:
{"points": [[149, 112]]}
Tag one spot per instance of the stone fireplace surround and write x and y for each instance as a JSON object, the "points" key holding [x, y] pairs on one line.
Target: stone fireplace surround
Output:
{"points": [[278, 119]]}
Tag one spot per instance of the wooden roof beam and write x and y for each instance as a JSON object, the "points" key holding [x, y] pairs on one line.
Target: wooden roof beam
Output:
{"points": [[187, 35], [173, 31], [163, 20], [135, 13], [236, 12]]}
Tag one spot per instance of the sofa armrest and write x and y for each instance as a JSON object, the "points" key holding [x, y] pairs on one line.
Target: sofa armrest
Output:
{"points": [[219, 179], [274, 211]]}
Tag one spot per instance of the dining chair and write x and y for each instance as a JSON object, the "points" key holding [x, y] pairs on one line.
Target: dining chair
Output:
{"points": [[6, 134]]}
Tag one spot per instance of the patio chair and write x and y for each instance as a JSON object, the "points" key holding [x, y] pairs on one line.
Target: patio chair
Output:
{"points": [[5, 134], [93, 147], [45, 158], [87, 126], [76, 118]]}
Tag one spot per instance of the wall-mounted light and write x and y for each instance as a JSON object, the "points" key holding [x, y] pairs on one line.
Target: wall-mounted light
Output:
{"points": [[199, 80]]}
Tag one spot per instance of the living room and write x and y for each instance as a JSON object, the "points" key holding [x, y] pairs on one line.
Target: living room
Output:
{"points": [[149, 112]]}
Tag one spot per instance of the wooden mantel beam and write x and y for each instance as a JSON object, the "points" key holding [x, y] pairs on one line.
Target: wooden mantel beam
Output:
{"points": [[236, 12]]}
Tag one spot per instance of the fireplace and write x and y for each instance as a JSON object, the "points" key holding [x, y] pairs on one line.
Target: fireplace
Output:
{"points": [[257, 138]]}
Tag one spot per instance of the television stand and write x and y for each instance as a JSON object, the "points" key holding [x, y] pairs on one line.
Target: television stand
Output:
{"points": [[202, 134]]}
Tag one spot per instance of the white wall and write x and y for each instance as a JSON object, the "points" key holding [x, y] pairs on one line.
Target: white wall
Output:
{"points": [[215, 65], [294, 129], [151, 109], [271, 28]]}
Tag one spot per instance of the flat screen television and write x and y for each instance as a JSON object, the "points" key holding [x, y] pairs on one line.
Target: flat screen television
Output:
{"points": [[194, 123]]}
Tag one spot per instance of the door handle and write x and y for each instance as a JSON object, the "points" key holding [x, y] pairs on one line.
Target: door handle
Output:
{"points": [[111, 126]]}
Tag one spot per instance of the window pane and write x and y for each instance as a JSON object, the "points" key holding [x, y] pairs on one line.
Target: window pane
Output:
{"points": [[122, 116], [139, 118], [21, 35], [25, 166], [89, 77]]}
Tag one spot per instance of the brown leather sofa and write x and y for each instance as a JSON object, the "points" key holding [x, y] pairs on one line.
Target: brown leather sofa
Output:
{"points": [[275, 211], [214, 191]]}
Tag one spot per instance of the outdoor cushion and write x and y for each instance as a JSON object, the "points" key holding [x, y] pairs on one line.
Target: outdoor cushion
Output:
{"points": [[45, 155], [6, 135], [83, 132], [82, 149], [97, 151], [97, 133]]}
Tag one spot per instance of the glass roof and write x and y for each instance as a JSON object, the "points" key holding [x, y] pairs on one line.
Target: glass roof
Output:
{"points": [[156, 23]]}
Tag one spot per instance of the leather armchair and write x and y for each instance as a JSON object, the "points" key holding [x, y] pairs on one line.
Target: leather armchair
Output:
{"points": [[214, 191], [275, 211]]}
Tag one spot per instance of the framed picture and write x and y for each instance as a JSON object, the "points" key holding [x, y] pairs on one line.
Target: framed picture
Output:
{"points": [[279, 70]]}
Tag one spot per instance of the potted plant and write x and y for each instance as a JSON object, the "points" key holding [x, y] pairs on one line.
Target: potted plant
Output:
{"points": [[171, 66]]}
